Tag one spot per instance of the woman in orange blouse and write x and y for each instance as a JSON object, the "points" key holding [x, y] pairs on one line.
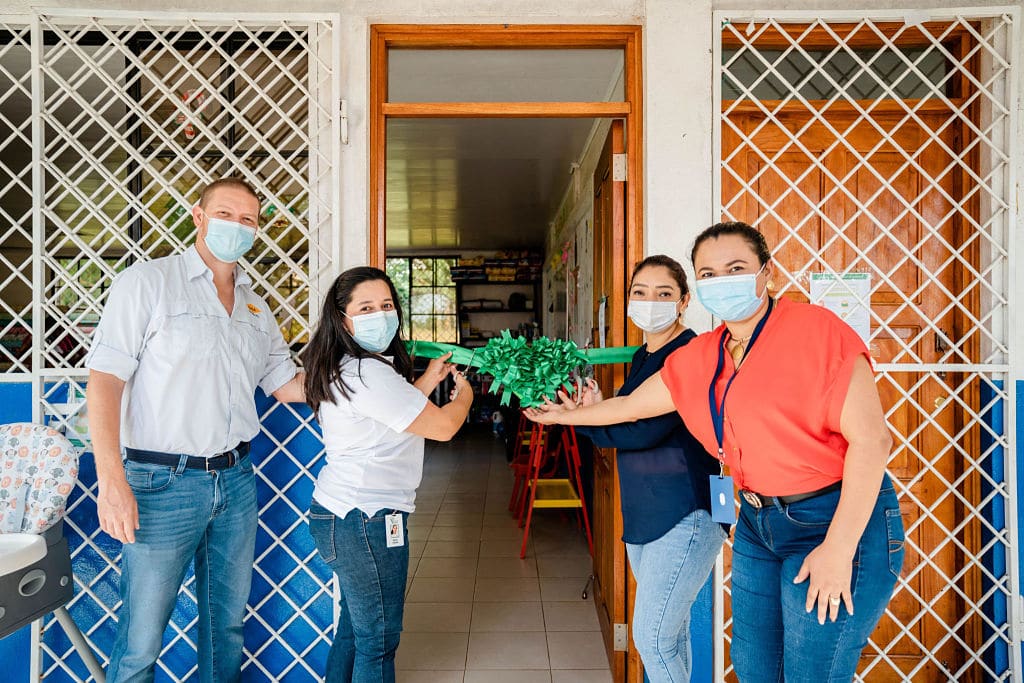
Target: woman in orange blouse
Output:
{"points": [[783, 393]]}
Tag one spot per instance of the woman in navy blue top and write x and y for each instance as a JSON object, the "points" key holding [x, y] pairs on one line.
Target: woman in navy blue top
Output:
{"points": [[670, 537]]}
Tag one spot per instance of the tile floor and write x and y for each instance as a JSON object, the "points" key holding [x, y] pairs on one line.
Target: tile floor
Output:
{"points": [[475, 612]]}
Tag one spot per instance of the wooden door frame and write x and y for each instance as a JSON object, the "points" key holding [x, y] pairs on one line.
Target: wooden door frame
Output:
{"points": [[628, 38]]}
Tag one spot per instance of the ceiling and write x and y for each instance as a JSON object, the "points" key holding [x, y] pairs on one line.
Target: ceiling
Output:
{"points": [[486, 183]]}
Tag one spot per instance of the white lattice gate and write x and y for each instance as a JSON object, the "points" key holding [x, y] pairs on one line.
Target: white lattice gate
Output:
{"points": [[110, 123], [881, 150]]}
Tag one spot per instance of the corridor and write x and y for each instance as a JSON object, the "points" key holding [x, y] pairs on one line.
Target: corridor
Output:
{"points": [[475, 612]]}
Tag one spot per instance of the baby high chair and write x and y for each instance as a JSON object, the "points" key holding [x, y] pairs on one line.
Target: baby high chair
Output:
{"points": [[38, 467]]}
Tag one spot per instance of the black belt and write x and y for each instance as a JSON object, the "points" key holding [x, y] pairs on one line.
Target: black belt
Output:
{"points": [[758, 501], [221, 461]]}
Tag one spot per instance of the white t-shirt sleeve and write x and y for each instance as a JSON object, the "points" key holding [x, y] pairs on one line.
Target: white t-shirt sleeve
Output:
{"points": [[378, 392]]}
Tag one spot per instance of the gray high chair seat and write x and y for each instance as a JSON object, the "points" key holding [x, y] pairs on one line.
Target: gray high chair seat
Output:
{"points": [[38, 468]]}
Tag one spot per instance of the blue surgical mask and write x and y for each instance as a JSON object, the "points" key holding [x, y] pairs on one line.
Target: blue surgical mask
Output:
{"points": [[730, 297], [228, 241], [374, 331]]}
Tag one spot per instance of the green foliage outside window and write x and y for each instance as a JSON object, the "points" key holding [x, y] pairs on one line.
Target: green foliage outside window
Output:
{"points": [[427, 294]]}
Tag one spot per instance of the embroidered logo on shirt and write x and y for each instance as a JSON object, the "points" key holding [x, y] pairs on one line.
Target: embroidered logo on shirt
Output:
{"points": [[253, 309]]}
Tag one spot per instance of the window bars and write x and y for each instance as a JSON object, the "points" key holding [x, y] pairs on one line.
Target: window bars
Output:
{"points": [[110, 123], [885, 146]]}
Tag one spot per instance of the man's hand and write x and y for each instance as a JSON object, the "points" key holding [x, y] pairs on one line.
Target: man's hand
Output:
{"points": [[118, 512]]}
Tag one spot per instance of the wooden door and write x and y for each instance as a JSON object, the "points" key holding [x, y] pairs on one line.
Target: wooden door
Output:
{"points": [[609, 291], [815, 205]]}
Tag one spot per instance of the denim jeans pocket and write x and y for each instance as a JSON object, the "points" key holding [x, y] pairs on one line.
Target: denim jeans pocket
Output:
{"points": [[813, 513], [321, 528], [895, 536], [146, 478]]}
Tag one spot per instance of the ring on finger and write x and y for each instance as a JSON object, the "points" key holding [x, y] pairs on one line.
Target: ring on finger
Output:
{"points": [[834, 600]]}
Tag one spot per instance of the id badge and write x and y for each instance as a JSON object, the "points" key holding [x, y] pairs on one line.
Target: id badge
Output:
{"points": [[395, 530], [723, 500]]}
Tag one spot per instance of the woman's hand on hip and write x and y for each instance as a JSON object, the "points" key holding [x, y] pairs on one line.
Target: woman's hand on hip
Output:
{"points": [[829, 570]]}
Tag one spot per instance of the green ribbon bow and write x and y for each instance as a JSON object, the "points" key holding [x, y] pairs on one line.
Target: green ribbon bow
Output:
{"points": [[531, 371]]}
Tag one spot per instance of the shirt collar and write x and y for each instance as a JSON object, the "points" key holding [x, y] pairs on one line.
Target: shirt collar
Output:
{"points": [[196, 267]]}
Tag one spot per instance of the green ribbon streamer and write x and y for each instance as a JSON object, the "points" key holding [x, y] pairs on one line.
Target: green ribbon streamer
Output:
{"points": [[425, 349], [531, 371]]}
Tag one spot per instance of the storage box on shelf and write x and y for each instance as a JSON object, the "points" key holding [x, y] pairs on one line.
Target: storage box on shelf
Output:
{"points": [[498, 293]]}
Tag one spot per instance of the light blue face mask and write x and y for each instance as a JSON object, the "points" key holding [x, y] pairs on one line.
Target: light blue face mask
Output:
{"points": [[227, 240], [730, 297], [374, 331]]}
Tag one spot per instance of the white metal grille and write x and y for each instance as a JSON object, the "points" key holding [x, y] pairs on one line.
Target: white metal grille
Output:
{"points": [[15, 199], [885, 146], [110, 123]]}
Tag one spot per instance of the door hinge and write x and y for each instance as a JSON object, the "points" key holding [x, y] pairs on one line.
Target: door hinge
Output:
{"points": [[619, 167], [620, 637], [1019, 619], [343, 119]]}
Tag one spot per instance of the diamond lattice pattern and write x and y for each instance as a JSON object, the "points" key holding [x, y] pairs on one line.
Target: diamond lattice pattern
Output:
{"points": [[135, 115], [883, 149]]}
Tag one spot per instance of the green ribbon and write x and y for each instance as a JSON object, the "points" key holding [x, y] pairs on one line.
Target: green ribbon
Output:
{"points": [[531, 371]]}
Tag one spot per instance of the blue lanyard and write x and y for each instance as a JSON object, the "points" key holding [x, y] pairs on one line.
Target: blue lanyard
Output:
{"points": [[718, 409]]}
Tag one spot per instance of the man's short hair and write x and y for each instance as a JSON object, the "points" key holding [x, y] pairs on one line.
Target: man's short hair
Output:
{"points": [[229, 181]]}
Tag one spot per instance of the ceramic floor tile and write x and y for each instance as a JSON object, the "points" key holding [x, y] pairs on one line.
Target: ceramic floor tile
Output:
{"points": [[578, 615], [432, 651], [506, 590], [455, 533], [463, 508], [437, 617], [562, 590], [441, 590], [580, 676], [500, 519], [451, 549], [447, 519], [514, 676], [556, 566], [577, 650], [502, 533], [507, 651], [506, 567], [429, 676], [447, 567], [561, 545], [507, 616], [503, 548]]}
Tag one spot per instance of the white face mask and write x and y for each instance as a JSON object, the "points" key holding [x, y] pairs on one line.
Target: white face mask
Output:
{"points": [[652, 316]]}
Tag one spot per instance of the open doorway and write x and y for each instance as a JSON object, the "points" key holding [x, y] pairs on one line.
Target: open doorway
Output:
{"points": [[483, 161]]}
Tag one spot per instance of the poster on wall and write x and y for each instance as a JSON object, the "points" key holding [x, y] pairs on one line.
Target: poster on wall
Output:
{"points": [[850, 300]]}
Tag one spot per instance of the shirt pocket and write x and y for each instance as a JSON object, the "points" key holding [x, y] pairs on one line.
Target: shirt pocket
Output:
{"points": [[253, 344], [189, 331]]}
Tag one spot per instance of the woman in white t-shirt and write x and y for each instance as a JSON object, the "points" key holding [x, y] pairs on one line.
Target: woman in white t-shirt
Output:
{"points": [[374, 421]]}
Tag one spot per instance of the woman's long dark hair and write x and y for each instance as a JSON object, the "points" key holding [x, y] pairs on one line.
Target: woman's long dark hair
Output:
{"points": [[332, 341]]}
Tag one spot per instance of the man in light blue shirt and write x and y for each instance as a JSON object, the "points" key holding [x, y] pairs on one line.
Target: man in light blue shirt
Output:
{"points": [[173, 369]]}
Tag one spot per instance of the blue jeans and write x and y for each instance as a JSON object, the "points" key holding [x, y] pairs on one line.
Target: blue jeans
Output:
{"points": [[670, 571], [186, 514], [371, 582], [774, 638]]}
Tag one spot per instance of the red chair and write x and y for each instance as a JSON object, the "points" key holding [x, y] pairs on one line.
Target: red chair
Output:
{"points": [[554, 492], [528, 435]]}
